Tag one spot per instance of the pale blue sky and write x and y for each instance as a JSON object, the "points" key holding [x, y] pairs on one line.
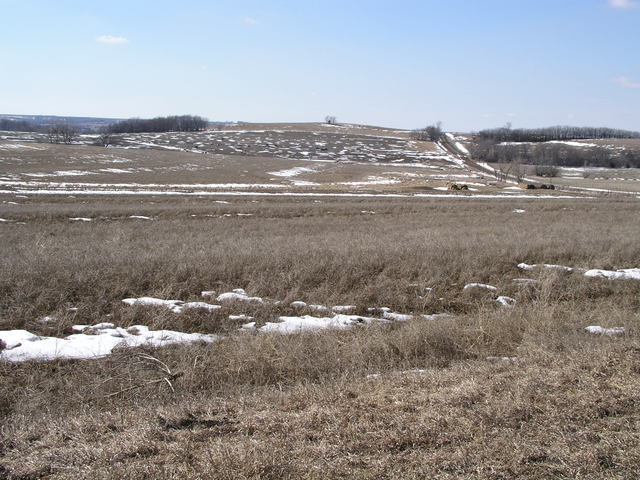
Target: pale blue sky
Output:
{"points": [[405, 63]]}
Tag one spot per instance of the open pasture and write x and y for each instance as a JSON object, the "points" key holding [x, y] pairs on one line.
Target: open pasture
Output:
{"points": [[169, 314], [395, 362]]}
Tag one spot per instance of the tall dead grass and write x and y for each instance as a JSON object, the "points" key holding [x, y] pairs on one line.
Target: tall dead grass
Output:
{"points": [[307, 406]]}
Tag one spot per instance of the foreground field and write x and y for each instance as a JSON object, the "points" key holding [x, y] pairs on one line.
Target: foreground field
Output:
{"points": [[489, 391]]}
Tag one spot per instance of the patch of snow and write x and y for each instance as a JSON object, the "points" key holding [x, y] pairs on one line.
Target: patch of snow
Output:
{"points": [[15, 338], [303, 183], [80, 219], [196, 306], [624, 274], [382, 310], [343, 308], [237, 294], [517, 210], [298, 304], [436, 316], [595, 329], [99, 342], [462, 148], [176, 306], [524, 266], [290, 325], [318, 308], [506, 301], [292, 172], [484, 286], [573, 144], [397, 317], [140, 217]]}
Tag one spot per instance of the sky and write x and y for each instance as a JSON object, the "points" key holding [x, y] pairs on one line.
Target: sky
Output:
{"points": [[471, 64]]}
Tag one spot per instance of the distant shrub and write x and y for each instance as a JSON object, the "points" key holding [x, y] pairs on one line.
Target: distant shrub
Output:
{"points": [[547, 171]]}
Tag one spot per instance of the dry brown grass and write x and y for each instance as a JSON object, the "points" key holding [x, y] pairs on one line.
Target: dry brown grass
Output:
{"points": [[302, 406]]}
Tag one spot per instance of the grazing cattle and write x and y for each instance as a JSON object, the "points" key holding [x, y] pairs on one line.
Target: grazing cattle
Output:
{"points": [[455, 186]]}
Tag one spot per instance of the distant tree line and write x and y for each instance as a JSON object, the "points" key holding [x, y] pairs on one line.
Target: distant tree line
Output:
{"points": [[507, 134], [554, 154], [181, 123], [432, 133], [9, 125]]}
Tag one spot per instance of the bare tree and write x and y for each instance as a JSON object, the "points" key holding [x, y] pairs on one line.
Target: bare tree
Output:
{"points": [[330, 119], [431, 133]]}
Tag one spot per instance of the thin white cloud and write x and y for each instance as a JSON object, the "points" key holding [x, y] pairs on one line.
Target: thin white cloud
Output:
{"points": [[626, 82], [250, 21], [111, 40], [624, 4]]}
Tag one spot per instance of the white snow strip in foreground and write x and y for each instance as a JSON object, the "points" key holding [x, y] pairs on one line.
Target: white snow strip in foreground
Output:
{"points": [[13, 338], [176, 306], [237, 294], [517, 210], [140, 217], [97, 342], [624, 274], [309, 323], [621, 274], [80, 219], [595, 329], [484, 286], [524, 266]]}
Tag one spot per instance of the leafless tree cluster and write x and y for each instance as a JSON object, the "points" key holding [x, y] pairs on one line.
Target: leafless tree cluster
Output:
{"points": [[182, 123], [62, 133], [432, 133], [507, 134], [330, 119], [554, 154]]}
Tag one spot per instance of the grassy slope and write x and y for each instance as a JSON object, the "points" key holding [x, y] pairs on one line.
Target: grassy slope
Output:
{"points": [[302, 406]]}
